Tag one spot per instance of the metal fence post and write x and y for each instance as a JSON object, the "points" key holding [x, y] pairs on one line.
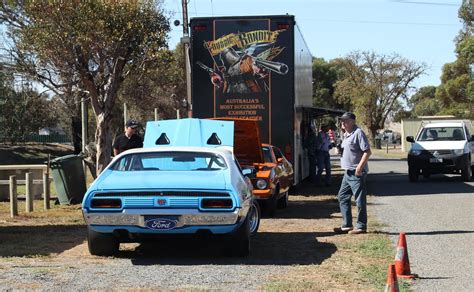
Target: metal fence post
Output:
{"points": [[13, 197], [29, 192], [46, 190]]}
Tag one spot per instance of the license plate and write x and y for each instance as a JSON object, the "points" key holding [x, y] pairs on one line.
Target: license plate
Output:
{"points": [[161, 222], [436, 160]]}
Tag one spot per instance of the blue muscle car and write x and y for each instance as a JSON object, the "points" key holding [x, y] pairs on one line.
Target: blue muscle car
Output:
{"points": [[185, 180]]}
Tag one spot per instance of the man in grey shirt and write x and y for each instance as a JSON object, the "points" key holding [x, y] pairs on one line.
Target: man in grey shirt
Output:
{"points": [[355, 154]]}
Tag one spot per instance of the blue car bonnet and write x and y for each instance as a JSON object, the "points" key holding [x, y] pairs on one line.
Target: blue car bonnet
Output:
{"points": [[189, 132], [210, 180]]}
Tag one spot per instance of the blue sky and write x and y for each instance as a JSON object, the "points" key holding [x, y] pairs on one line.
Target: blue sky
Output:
{"points": [[419, 30]]}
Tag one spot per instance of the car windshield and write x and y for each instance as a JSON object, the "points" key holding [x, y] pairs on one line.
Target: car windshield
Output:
{"points": [[267, 154], [170, 161], [441, 134]]}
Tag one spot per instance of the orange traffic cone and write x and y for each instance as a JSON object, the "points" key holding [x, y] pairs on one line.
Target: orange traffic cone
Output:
{"points": [[392, 282], [402, 263]]}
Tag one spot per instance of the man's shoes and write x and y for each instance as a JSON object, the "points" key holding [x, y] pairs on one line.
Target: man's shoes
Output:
{"points": [[357, 231], [342, 230]]}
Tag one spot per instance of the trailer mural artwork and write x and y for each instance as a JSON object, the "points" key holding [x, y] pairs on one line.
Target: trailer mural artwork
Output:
{"points": [[243, 62], [256, 68]]}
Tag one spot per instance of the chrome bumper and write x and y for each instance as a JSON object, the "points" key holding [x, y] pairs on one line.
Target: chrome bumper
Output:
{"points": [[184, 217]]}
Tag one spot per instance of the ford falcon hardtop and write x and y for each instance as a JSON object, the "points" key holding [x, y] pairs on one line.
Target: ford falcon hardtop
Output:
{"points": [[185, 180]]}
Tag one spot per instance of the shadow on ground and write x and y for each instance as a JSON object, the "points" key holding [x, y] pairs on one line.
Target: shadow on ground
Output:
{"points": [[31, 153], [39, 240], [397, 184], [268, 248]]}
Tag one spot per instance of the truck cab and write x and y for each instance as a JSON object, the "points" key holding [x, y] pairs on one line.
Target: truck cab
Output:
{"points": [[441, 147]]}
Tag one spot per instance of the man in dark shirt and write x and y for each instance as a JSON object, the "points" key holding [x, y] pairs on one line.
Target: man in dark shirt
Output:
{"points": [[129, 139]]}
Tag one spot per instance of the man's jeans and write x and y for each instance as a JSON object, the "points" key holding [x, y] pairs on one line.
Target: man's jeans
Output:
{"points": [[324, 162], [353, 185]]}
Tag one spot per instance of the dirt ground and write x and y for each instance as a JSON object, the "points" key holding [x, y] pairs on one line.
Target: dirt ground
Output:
{"points": [[299, 238], [299, 241]]}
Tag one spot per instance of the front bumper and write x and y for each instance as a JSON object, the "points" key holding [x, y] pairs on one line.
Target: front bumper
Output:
{"points": [[188, 221], [439, 163], [262, 194]]}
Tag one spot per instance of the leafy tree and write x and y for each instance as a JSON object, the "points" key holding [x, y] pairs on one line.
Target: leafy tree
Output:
{"points": [[456, 92], [375, 85], [161, 86], [90, 45], [22, 112], [424, 103]]}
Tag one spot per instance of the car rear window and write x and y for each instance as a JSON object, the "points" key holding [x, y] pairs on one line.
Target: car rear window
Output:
{"points": [[170, 161], [442, 134]]}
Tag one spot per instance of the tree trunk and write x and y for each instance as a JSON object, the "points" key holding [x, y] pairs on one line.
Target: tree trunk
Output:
{"points": [[103, 141], [372, 134]]}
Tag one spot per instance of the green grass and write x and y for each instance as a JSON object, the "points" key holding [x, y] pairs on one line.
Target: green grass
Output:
{"points": [[392, 153], [379, 249]]}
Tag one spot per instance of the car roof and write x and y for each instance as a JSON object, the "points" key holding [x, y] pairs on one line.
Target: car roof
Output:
{"points": [[444, 124], [217, 150]]}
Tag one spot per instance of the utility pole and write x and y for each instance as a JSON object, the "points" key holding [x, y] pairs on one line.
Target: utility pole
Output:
{"points": [[186, 41], [84, 119]]}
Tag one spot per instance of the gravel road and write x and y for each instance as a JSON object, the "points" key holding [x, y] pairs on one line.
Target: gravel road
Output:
{"points": [[437, 215]]}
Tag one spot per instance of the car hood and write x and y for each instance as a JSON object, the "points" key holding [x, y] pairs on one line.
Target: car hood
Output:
{"points": [[247, 145], [438, 145], [129, 180]]}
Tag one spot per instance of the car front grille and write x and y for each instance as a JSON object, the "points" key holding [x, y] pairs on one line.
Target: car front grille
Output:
{"points": [[440, 152]]}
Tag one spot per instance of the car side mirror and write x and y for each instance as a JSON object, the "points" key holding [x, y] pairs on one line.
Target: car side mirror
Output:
{"points": [[280, 160], [410, 139], [472, 138]]}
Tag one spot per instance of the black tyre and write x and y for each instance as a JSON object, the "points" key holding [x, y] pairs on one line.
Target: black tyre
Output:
{"points": [[413, 174], [272, 203], [426, 174], [466, 172], [283, 201], [254, 219], [238, 243], [102, 244]]}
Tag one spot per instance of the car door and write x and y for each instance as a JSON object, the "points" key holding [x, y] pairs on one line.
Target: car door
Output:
{"points": [[471, 143]]}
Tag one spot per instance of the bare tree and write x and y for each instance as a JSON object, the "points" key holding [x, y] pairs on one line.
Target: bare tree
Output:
{"points": [[375, 85]]}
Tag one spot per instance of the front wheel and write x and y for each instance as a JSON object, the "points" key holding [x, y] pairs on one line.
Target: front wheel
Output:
{"points": [[413, 174], [466, 172], [283, 201], [102, 244]]}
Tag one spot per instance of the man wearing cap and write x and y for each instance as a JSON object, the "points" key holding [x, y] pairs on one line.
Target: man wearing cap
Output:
{"points": [[355, 154], [129, 139]]}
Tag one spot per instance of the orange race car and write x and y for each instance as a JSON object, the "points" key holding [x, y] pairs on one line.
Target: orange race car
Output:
{"points": [[273, 173]]}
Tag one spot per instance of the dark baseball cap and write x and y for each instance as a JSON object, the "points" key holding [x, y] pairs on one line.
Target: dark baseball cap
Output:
{"points": [[132, 124], [348, 116]]}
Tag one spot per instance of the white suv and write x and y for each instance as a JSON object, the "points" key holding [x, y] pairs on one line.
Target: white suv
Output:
{"points": [[441, 147]]}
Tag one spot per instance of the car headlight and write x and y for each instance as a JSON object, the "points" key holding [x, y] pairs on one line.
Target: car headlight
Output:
{"points": [[261, 184], [415, 152], [458, 151]]}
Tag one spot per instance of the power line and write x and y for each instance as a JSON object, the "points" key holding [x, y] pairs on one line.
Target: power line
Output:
{"points": [[356, 21], [425, 3]]}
